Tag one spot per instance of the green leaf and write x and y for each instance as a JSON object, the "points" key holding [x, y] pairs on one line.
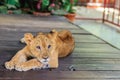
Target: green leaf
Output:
{"points": [[11, 6], [12, 3], [45, 2]]}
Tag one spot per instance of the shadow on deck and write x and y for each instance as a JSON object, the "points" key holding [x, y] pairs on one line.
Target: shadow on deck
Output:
{"points": [[92, 58]]}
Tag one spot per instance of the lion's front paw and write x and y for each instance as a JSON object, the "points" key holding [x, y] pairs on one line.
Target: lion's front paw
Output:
{"points": [[22, 67], [53, 65], [9, 65]]}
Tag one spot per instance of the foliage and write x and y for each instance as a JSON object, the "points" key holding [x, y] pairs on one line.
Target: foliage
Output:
{"points": [[69, 6], [64, 6], [43, 5], [3, 9], [12, 4], [6, 5]]}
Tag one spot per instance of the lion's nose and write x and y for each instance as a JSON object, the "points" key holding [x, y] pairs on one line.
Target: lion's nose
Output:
{"points": [[45, 57]]}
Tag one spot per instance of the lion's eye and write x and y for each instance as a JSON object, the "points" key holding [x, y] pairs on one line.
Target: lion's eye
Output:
{"points": [[49, 46], [38, 47]]}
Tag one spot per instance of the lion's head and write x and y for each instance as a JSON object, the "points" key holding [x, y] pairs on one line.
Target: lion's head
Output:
{"points": [[40, 46]]}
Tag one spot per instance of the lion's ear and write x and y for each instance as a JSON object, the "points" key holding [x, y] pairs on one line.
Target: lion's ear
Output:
{"points": [[28, 37], [40, 33], [53, 31]]}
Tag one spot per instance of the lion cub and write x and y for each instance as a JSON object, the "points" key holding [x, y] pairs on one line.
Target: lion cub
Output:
{"points": [[44, 50]]}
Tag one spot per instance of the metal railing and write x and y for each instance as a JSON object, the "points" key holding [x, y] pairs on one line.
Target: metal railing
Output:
{"points": [[111, 13]]}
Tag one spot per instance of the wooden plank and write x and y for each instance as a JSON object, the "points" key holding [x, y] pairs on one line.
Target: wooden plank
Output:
{"points": [[89, 61], [28, 21], [87, 67], [62, 79], [91, 45], [89, 79], [101, 55], [26, 28], [39, 29], [7, 43], [78, 75], [84, 50], [87, 38], [90, 64], [61, 75]]}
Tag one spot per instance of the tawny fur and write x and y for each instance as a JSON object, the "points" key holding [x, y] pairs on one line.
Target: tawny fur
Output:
{"points": [[42, 47]]}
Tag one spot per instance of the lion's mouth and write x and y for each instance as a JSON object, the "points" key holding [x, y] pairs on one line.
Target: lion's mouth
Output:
{"points": [[45, 61]]}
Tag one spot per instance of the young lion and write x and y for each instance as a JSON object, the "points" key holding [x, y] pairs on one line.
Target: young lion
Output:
{"points": [[45, 50]]}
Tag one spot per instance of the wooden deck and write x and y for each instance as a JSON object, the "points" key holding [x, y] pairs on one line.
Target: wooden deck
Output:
{"points": [[93, 58]]}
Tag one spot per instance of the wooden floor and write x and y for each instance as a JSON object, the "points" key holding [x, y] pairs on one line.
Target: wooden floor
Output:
{"points": [[92, 59]]}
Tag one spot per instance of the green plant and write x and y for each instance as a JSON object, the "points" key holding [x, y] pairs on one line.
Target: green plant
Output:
{"points": [[12, 4], [44, 6], [68, 5], [72, 11], [3, 9], [60, 6]]}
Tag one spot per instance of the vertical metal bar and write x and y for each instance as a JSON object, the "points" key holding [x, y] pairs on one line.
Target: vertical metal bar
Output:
{"points": [[108, 6], [104, 4], [113, 14], [113, 11], [119, 12]]}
